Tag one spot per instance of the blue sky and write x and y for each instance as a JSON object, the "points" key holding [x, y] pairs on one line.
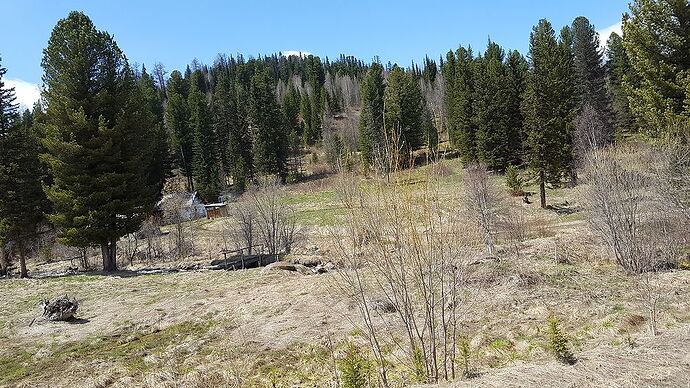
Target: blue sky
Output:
{"points": [[174, 33]]}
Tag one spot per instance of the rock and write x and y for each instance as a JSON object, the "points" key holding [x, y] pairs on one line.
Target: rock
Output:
{"points": [[61, 309], [323, 268], [307, 261], [285, 266]]}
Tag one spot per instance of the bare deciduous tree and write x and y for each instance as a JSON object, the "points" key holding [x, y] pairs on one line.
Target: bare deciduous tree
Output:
{"points": [[274, 219], [484, 200], [411, 251], [625, 205]]}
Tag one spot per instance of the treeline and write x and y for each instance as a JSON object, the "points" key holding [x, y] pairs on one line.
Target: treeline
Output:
{"points": [[92, 158]]}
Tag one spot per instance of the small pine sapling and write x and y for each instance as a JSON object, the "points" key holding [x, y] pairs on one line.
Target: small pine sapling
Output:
{"points": [[558, 342]]}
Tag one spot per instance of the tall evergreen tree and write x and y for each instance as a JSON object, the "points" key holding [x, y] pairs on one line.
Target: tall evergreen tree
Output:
{"points": [[291, 111], [158, 141], [224, 119], [656, 37], [371, 132], [23, 203], [177, 121], [497, 146], [98, 129], [240, 149], [548, 107], [206, 174], [270, 137], [403, 112], [618, 66], [590, 73], [459, 102], [517, 68]]}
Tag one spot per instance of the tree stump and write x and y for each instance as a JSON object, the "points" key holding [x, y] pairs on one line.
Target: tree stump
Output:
{"points": [[61, 309]]}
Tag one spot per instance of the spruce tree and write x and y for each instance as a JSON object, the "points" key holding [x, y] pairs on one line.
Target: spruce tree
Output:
{"points": [[158, 141], [403, 112], [22, 203], [618, 66], [656, 37], [371, 132], [517, 68], [206, 171], [496, 144], [240, 151], [177, 121], [291, 111], [224, 117], [590, 74], [270, 137], [98, 130], [548, 107], [459, 102]]}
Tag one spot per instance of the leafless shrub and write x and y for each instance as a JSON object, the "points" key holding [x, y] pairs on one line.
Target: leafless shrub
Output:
{"points": [[627, 210], [484, 201], [274, 220], [177, 212], [411, 250], [245, 220]]}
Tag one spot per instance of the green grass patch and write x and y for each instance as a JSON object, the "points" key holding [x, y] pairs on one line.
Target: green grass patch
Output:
{"points": [[127, 349]]}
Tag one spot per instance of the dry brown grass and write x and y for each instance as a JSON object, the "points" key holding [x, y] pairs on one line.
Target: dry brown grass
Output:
{"points": [[250, 329]]}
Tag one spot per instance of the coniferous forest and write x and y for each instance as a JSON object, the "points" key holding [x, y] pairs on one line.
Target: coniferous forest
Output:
{"points": [[92, 161]]}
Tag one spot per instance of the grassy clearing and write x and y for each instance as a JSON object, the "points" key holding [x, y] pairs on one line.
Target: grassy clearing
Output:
{"points": [[128, 350]]}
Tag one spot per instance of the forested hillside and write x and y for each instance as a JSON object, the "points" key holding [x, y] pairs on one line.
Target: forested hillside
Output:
{"points": [[478, 210]]}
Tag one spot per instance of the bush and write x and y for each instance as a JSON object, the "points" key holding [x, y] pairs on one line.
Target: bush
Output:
{"points": [[464, 351], [558, 342], [514, 181]]}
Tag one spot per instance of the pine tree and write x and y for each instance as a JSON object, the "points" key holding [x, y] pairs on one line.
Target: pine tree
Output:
{"points": [[517, 68], [177, 121], [459, 102], [548, 107], [403, 112], [224, 118], [240, 150], [158, 141], [206, 171], [496, 145], [23, 202], [371, 131], [270, 137], [656, 37], [291, 111], [98, 130], [618, 65], [590, 73]]}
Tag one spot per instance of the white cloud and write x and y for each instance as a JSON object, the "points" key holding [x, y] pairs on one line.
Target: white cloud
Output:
{"points": [[27, 93], [606, 33], [289, 53]]}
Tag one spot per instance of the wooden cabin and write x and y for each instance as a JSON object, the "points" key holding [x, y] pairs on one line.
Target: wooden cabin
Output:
{"points": [[216, 210]]}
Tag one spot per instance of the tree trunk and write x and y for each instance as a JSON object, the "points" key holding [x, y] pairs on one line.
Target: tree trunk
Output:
{"points": [[542, 189], [22, 261], [108, 252]]}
